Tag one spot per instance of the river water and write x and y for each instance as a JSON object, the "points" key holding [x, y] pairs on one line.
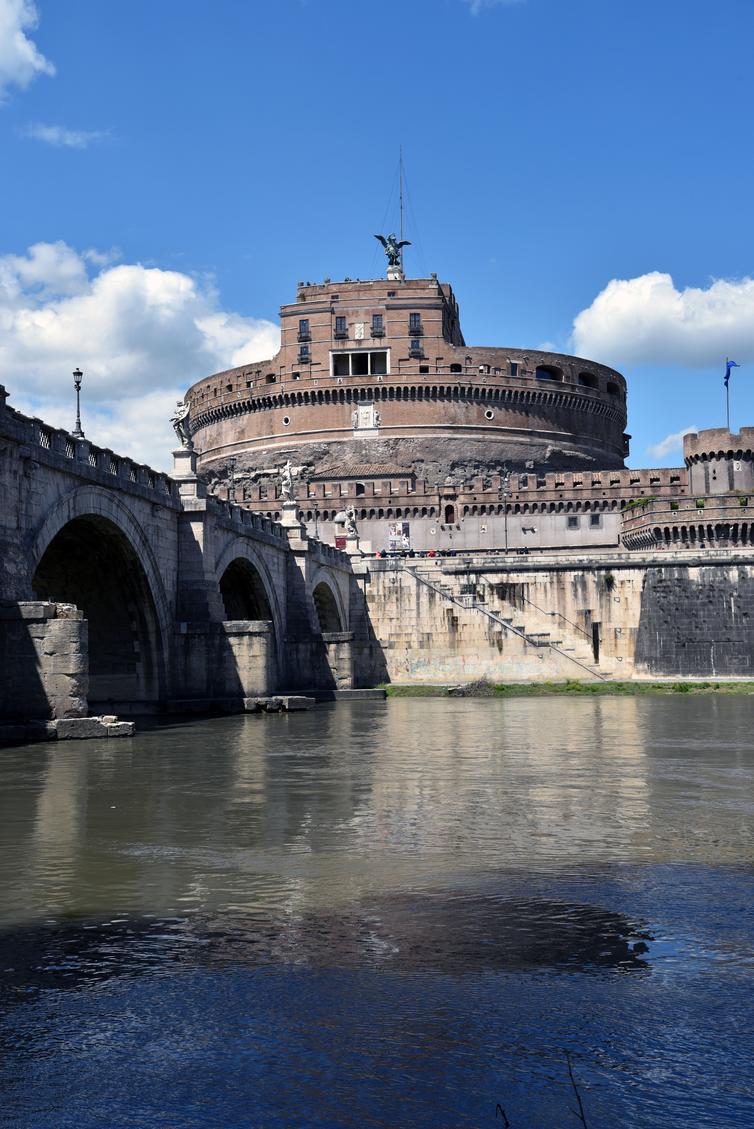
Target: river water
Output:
{"points": [[384, 914]]}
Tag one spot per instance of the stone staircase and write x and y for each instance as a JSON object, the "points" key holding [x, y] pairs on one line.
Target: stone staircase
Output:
{"points": [[557, 642]]}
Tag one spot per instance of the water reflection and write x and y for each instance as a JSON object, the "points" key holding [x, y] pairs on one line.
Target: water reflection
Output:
{"points": [[404, 908], [317, 809]]}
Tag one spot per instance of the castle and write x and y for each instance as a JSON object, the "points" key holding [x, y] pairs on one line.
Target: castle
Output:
{"points": [[440, 446]]}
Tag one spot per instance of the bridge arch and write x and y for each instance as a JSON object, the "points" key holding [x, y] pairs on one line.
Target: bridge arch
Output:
{"points": [[328, 603], [245, 583], [92, 552]]}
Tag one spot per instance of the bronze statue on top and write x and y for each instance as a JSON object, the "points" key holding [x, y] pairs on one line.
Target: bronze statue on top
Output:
{"points": [[392, 247]]}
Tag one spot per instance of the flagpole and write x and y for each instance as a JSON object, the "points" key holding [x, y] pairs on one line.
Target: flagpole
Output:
{"points": [[727, 395]]}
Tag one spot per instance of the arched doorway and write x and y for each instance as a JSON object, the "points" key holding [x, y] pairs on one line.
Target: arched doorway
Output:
{"points": [[450, 515], [243, 592], [91, 563], [327, 608]]}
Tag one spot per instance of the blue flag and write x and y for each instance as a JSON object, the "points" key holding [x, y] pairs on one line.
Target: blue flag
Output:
{"points": [[728, 366]]}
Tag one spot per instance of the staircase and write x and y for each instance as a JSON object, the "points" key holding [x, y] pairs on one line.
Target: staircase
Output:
{"points": [[548, 633]]}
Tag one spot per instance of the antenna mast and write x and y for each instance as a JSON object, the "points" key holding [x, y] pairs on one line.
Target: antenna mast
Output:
{"points": [[400, 195]]}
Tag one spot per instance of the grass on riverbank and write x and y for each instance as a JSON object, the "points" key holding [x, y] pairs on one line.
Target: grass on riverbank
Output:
{"points": [[484, 689]]}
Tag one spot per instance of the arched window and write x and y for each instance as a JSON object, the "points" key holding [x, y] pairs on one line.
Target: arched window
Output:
{"points": [[589, 380], [360, 489], [450, 514]]}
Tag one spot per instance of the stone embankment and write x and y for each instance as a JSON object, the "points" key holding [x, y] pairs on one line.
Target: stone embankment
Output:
{"points": [[620, 616]]}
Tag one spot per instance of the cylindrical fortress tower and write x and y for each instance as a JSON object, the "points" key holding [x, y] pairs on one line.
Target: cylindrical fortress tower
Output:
{"points": [[379, 373], [720, 461]]}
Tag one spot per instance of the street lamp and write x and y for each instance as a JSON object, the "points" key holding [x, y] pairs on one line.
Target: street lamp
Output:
{"points": [[232, 479], [505, 479], [77, 378]]}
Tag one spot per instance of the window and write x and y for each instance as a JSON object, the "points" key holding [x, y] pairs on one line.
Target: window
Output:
{"points": [[450, 515], [378, 325], [303, 330], [270, 378], [613, 388], [514, 368], [414, 325], [360, 489], [362, 363], [416, 348], [295, 376], [573, 523], [304, 355], [595, 520], [547, 372], [423, 370], [456, 368], [589, 380], [341, 329]]}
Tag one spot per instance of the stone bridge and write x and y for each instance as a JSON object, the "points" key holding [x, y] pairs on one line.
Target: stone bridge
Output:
{"points": [[123, 589]]}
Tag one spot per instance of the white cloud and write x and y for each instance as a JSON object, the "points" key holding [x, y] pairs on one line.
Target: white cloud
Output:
{"points": [[20, 59], [61, 137], [476, 6], [671, 444], [647, 320], [141, 336]]}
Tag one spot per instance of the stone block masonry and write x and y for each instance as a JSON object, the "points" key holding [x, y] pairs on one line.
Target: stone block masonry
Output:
{"points": [[620, 617], [44, 651]]}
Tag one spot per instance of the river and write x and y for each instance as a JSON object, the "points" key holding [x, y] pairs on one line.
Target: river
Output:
{"points": [[384, 914]]}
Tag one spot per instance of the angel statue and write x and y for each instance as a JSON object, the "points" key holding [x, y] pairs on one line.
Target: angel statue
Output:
{"points": [[181, 426], [350, 522], [287, 474], [392, 247]]}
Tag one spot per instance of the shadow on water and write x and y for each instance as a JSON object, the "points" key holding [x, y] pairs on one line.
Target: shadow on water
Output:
{"points": [[431, 931]]}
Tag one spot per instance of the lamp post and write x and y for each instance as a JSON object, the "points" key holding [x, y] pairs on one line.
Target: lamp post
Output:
{"points": [[232, 480], [77, 378], [505, 479]]}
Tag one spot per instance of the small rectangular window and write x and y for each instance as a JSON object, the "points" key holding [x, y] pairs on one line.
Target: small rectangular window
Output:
{"points": [[573, 523], [303, 353], [341, 329], [295, 376], [595, 520], [303, 330], [514, 368], [360, 364], [378, 325], [414, 323]]}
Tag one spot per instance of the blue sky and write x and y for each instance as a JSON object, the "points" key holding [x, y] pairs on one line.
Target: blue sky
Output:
{"points": [[172, 168]]}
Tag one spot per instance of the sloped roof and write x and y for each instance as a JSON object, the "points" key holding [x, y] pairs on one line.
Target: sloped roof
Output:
{"points": [[364, 470]]}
